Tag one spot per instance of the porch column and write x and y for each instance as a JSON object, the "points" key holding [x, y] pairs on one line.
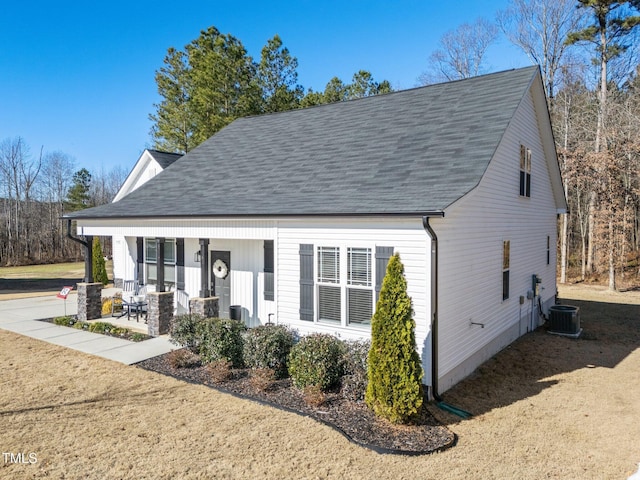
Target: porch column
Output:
{"points": [[204, 268], [160, 264], [159, 313], [89, 301], [88, 259]]}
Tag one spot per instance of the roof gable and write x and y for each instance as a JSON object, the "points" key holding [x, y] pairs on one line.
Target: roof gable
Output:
{"points": [[148, 161], [408, 152]]}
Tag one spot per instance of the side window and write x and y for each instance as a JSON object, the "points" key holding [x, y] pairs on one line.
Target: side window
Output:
{"points": [[525, 171], [506, 247], [548, 249], [268, 270]]}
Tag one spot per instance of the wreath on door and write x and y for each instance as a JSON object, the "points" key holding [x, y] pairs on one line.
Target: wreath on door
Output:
{"points": [[220, 269]]}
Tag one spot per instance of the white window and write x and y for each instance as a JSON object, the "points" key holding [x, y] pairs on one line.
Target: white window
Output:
{"points": [[350, 278], [329, 294], [359, 286]]}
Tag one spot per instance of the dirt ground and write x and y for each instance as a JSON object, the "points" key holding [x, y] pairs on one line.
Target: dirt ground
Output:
{"points": [[546, 407]]}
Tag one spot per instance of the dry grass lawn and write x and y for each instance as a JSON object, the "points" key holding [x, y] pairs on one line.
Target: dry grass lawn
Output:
{"points": [[547, 407]]}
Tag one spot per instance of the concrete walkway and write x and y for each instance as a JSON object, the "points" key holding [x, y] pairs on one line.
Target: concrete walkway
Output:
{"points": [[20, 316]]}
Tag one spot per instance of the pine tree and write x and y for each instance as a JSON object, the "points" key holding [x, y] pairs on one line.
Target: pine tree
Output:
{"points": [[78, 197], [99, 267], [395, 372]]}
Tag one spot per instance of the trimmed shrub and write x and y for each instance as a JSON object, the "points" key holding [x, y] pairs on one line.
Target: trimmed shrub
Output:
{"points": [[221, 339], [80, 325], [354, 381], [268, 346], [183, 359], [262, 379], [395, 372], [317, 360], [64, 321], [184, 332], [137, 337], [220, 371], [314, 396], [101, 327]]}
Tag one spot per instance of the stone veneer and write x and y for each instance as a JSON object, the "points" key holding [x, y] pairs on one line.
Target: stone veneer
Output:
{"points": [[89, 301], [160, 312], [118, 282], [207, 307]]}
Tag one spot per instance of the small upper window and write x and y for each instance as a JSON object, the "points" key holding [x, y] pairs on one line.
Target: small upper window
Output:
{"points": [[525, 171], [506, 253]]}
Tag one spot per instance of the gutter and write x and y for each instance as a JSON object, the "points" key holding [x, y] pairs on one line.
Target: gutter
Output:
{"points": [[434, 320], [88, 258]]}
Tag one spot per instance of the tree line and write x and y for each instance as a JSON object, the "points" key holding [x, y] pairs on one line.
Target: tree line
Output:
{"points": [[588, 55], [213, 81], [587, 51], [35, 191]]}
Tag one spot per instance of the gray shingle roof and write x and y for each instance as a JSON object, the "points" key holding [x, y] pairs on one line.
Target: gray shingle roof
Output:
{"points": [[413, 151], [164, 158]]}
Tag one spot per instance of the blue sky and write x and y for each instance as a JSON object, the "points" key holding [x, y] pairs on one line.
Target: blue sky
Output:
{"points": [[79, 76]]}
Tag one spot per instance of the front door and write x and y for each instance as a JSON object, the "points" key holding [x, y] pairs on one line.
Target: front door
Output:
{"points": [[221, 280]]}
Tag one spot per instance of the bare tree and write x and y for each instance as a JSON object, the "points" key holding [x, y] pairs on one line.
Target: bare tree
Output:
{"points": [[611, 25], [461, 52], [540, 29]]}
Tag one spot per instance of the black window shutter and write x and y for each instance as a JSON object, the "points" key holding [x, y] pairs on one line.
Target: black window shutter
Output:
{"points": [[306, 282], [180, 263], [268, 270], [140, 260], [383, 254]]}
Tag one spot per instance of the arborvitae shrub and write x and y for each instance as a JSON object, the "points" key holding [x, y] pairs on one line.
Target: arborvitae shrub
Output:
{"points": [[395, 372], [317, 359], [354, 381], [99, 267], [221, 339], [268, 346], [183, 330]]}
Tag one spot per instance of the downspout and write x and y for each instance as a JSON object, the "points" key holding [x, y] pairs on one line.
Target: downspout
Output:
{"points": [[88, 257], [434, 320]]}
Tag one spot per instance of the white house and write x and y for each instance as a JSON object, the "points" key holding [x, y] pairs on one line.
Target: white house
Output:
{"points": [[292, 216]]}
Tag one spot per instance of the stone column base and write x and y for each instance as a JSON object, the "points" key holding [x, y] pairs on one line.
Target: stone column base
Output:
{"points": [[207, 307], [159, 313], [89, 301]]}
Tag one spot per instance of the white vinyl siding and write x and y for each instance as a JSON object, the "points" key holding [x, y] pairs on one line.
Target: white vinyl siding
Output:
{"points": [[407, 237], [471, 239]]}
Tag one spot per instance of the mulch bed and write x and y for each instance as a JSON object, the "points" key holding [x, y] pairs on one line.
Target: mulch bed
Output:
{"points": [[353, 419], [130, 335]]}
